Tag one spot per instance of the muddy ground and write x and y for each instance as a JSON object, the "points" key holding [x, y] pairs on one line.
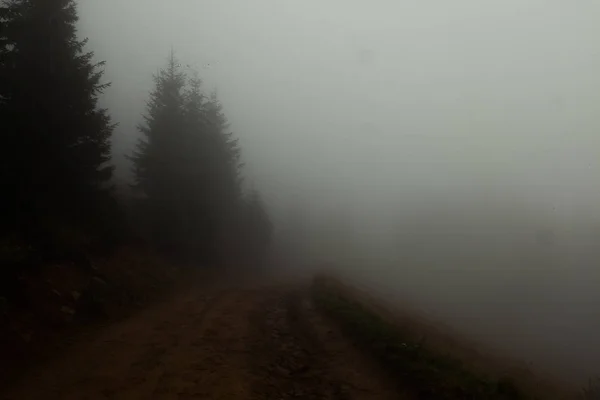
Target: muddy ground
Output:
{"points": [[234, 340]]}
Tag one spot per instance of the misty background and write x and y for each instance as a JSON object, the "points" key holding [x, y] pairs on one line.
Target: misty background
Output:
{"points": [[443, 153]]}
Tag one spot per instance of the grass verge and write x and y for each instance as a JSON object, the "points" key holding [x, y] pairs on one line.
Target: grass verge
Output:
{"points": [[407, 359]]}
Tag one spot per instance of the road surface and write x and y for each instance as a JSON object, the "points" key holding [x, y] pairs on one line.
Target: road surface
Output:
{"points": [[234, 341]]}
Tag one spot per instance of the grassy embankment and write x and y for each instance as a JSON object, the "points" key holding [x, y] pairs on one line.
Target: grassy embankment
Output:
{"points": [[415, 363]]}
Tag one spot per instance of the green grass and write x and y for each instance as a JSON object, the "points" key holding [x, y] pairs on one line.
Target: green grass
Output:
{"points": [[409, 362]]}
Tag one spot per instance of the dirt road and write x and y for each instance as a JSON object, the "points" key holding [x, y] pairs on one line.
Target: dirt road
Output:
{"points": [[235, 341]]}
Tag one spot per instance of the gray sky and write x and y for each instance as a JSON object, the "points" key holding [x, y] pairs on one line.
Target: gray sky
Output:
{"points": [[400, 92], [375, 109]]}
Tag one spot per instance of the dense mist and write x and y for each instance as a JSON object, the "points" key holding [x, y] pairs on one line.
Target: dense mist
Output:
{"points": [[444, 154]]}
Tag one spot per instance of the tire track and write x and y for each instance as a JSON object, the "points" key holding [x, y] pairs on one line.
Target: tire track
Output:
{"points": [[357, 375], [300, 354], [286, 362]]}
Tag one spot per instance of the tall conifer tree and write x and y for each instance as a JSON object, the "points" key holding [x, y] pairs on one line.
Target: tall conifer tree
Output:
{"points": [[56, 139]]}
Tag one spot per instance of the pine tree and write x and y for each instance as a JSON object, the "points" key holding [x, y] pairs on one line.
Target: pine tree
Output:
{"points": [[187, 164], [56, 140], [199, 156], [258, 227], [212, 161], [227, 155], [157, 165]]}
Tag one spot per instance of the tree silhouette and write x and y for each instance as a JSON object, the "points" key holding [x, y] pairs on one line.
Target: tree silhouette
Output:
{"points": [[56, 140], [186, 164]]}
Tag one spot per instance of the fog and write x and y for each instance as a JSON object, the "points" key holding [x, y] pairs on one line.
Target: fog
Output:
{"points": [[442, 153]]}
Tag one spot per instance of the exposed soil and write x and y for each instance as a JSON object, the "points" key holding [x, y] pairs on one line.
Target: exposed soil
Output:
{"points": [[232, 341]]}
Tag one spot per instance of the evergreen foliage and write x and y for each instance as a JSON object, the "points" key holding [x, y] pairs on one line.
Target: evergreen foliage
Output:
{"points": [[56, 139]]}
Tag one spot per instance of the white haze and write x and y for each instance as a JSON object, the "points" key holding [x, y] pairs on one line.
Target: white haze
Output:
{"points": [[447, 152]]}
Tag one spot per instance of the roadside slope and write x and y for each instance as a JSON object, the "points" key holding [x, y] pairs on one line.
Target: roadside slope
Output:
{"points": [[427, 358]]}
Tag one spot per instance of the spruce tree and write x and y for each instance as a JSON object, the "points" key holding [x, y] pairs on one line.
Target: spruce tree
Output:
{"points": [[187, 165], [56, 140], [198, 155], [212, 168], [157, 165], [257, 226], [225, 163]]}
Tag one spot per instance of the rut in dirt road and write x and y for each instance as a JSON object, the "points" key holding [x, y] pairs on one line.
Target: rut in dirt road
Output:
{"points": [[287, 362], [303, 356], [233, 343]]}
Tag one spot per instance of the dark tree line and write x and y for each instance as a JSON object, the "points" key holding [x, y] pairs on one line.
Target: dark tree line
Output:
{"points": [[55, 139], [55, 154]]}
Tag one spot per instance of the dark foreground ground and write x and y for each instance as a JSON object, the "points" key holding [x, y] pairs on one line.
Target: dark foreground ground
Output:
{"points": [[245, 339], [230, 341]]}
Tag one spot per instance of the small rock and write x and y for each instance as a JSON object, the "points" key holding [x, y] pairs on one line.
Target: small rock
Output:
{"points": [[75, 294]]}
